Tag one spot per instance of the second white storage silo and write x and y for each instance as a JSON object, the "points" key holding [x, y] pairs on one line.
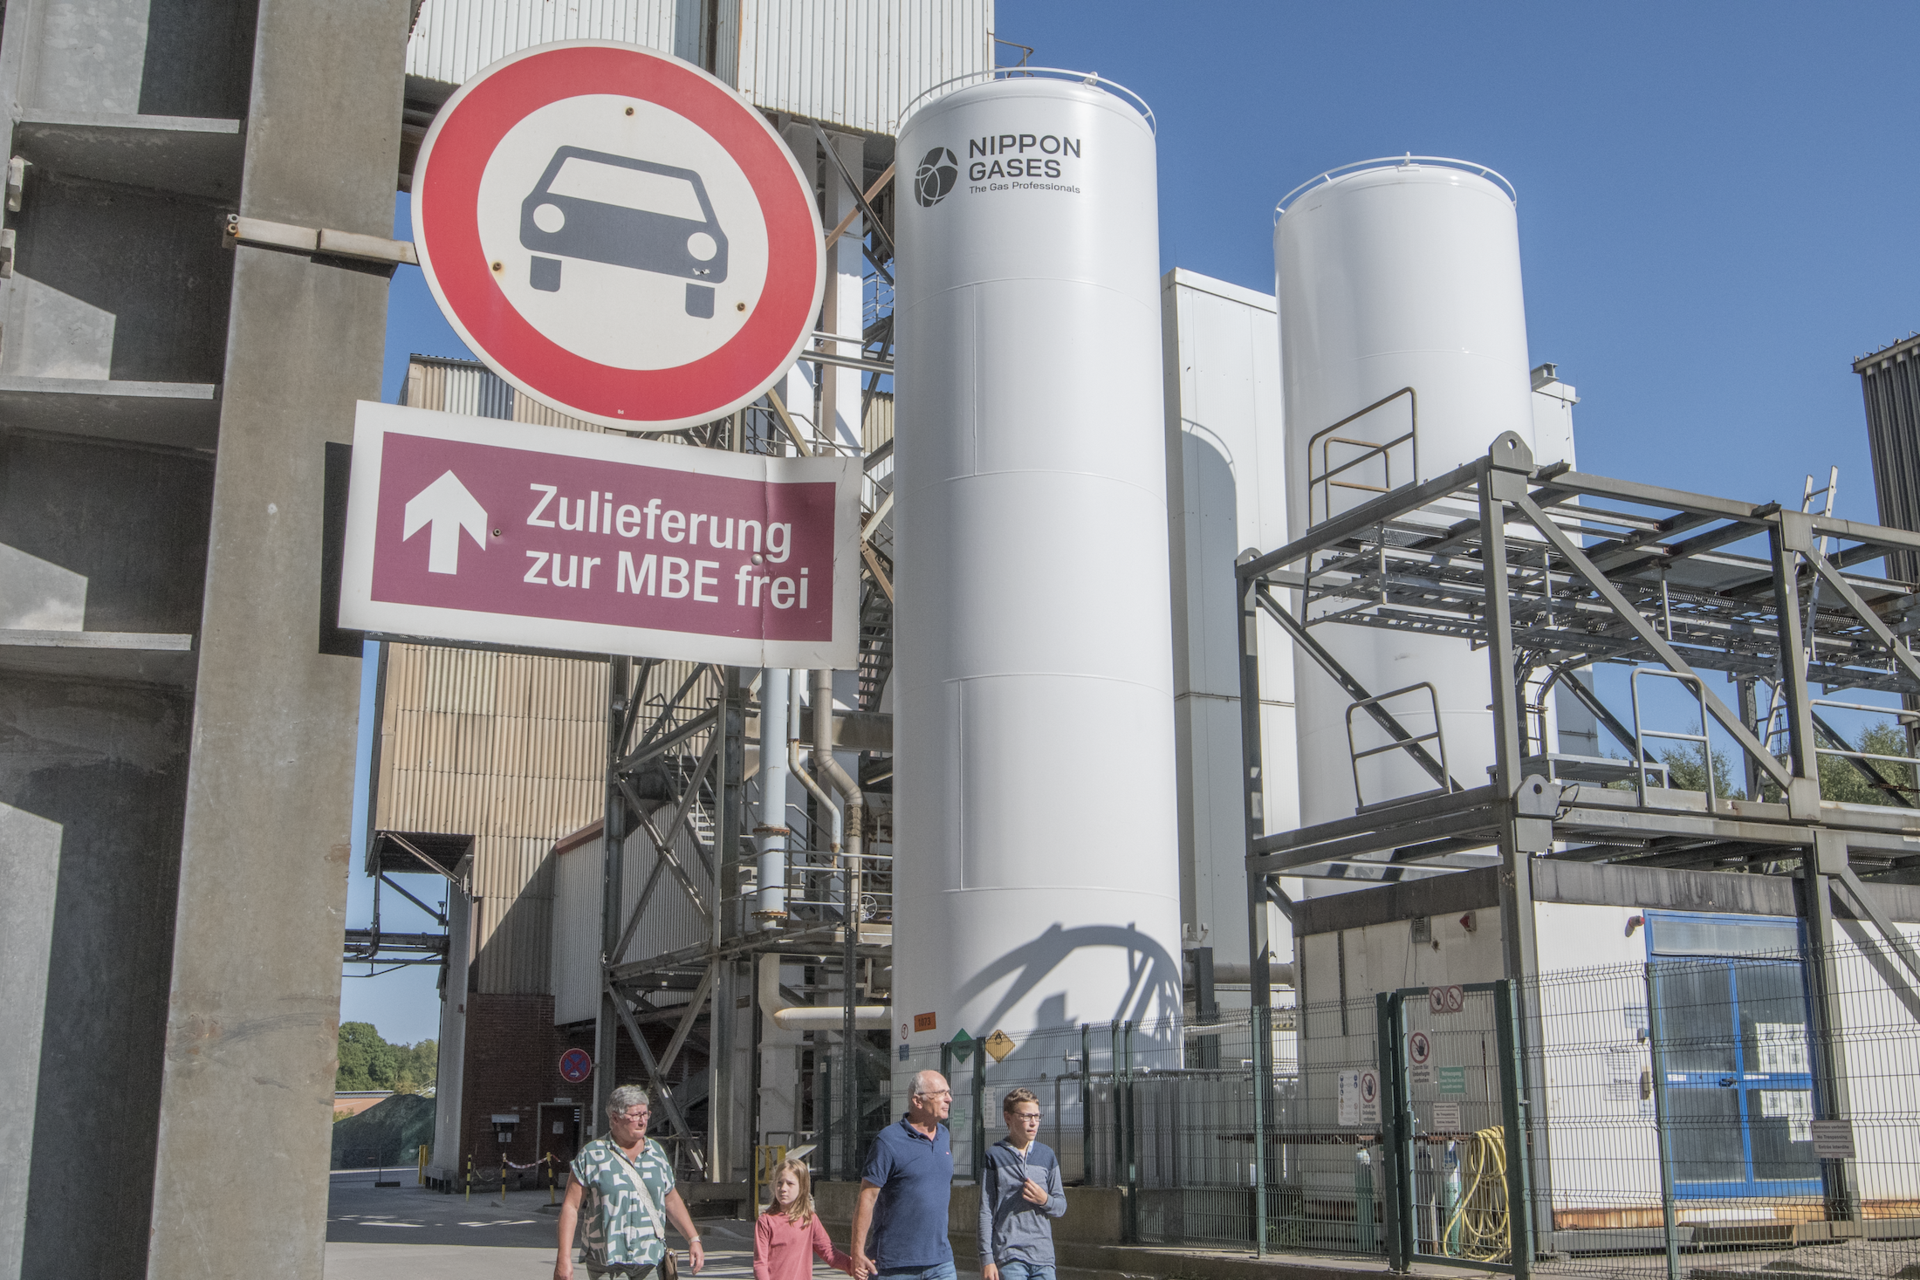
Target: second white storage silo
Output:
{"points": [[1036, 879], [1395, 275]]}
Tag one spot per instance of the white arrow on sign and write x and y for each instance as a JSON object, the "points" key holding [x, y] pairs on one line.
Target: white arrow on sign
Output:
{"points": [[448, 507]]}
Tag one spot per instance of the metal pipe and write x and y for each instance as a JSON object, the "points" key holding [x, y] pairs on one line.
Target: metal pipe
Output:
{"points": [[1279, 973], [828, 770], [770, 831], [792, 1017]]}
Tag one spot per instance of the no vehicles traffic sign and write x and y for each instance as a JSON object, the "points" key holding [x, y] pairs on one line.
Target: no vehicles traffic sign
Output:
{"points": [[619, 234]]}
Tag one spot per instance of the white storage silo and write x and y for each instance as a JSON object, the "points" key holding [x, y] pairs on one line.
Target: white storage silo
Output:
{"points": [[1390, 275], [1036, 873]]}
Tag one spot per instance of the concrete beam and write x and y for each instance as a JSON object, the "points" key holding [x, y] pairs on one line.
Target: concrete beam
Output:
{"points": [[254, 1008]]}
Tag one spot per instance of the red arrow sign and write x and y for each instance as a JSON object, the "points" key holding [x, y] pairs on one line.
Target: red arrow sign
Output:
{"points": [[598, 543]]}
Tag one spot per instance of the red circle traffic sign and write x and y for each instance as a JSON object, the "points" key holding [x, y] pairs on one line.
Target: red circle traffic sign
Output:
{"points": [[575, 1065], [1419, 1048], [618, 234]]}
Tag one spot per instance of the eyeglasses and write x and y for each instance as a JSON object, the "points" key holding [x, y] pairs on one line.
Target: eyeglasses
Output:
{"points": [[631, 1113], [1025, 1116]]}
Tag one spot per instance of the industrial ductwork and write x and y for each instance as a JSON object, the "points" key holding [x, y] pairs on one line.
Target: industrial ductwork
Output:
{"points": [[790, 1017]]}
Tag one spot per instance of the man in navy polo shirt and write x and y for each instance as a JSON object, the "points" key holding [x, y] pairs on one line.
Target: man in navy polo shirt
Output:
{"points": [[904, 1191]]}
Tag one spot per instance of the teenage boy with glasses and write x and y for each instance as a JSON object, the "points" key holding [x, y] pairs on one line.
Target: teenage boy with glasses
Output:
{"points": [[1020, 1190]]}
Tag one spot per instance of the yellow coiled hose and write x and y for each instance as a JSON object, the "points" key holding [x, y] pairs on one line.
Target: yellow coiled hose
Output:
{"points": [[1481, 1228]]}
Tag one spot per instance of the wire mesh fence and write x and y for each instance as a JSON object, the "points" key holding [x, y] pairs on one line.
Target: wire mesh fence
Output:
{"points": [[1703, 1119], [1695, 1116]]}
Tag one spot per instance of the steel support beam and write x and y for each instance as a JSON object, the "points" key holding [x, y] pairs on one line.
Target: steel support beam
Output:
{"points": [[621, 697]]}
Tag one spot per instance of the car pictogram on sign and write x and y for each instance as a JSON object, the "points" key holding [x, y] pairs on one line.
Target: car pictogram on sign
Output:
{"points": [[618, 234], [624, 212]]}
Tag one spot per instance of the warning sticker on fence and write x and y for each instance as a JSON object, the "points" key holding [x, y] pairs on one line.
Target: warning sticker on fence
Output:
{"points": [[1359, 1096], [1419, 1058], [1446, 1117], [1452, 1080], [1832, 1139]]}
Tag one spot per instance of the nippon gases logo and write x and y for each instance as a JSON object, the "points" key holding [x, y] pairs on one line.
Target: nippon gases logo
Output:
{"points": [[999, 162], [935, 177]]}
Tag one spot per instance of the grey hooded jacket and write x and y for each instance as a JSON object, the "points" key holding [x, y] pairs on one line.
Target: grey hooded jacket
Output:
{"points": [[1011, 1226]]}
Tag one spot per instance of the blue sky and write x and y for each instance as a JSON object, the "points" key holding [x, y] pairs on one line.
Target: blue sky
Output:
{"points": [[1717, 208]]}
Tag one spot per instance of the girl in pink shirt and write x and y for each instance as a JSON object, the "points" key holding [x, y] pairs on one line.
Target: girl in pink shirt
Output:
{"points": [[788, 1234]]}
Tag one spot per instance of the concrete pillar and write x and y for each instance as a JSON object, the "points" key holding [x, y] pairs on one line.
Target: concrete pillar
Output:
{"points": [[240, 1186]]}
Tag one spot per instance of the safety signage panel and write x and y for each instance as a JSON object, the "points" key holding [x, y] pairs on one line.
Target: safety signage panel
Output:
{"points": [[1419, 1058], [1446, 999], [1446, 1117], [1832, 1139], [537, 537], [1358, 1095], [1452, 1080], [618, 233]]}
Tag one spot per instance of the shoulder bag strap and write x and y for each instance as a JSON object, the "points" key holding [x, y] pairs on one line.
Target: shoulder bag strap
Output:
{"points": [[646, 1194]]}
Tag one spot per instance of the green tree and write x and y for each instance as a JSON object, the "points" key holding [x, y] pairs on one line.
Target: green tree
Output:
{"points": [[360, 1044], [1687, 771], [1841, 781], [367, 1061]]}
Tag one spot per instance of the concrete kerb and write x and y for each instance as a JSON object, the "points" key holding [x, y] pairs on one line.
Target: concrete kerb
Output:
{"points": [[1083, 1242]]}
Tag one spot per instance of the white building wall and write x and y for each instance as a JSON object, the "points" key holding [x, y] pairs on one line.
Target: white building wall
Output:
{"points": [[1226, 492]]}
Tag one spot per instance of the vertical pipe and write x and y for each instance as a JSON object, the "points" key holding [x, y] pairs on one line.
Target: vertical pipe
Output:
{"points": [[1654, 1038], [729, 825], [770, 830], [829, 772]]}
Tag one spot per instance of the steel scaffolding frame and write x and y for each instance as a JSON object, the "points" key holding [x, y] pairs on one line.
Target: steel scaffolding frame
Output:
{"points": [[1552, 570], [686, 733]]}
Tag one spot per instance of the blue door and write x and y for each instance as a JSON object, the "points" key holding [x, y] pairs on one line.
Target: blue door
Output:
{"points": [[1731, 1012]]}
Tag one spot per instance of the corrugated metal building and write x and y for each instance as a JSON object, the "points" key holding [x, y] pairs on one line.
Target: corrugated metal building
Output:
{"points": [[1890, 381], [510, 750], [848, 63]]}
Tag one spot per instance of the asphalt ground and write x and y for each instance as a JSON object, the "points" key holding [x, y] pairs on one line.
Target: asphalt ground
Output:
{"points": [[411, 1233]]}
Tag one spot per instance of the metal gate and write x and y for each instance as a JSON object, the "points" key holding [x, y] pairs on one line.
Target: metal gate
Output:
{"points": [[1457, 1169]]}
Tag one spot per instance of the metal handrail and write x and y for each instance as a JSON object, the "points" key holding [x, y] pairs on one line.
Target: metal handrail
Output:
{"points": [[1403, 162], [1326, 439], [1355, 755], [1640, 735], [1033, 73]]}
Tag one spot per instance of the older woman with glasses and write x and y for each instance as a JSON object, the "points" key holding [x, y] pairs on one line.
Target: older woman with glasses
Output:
{"points": [[626, 1184]]}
